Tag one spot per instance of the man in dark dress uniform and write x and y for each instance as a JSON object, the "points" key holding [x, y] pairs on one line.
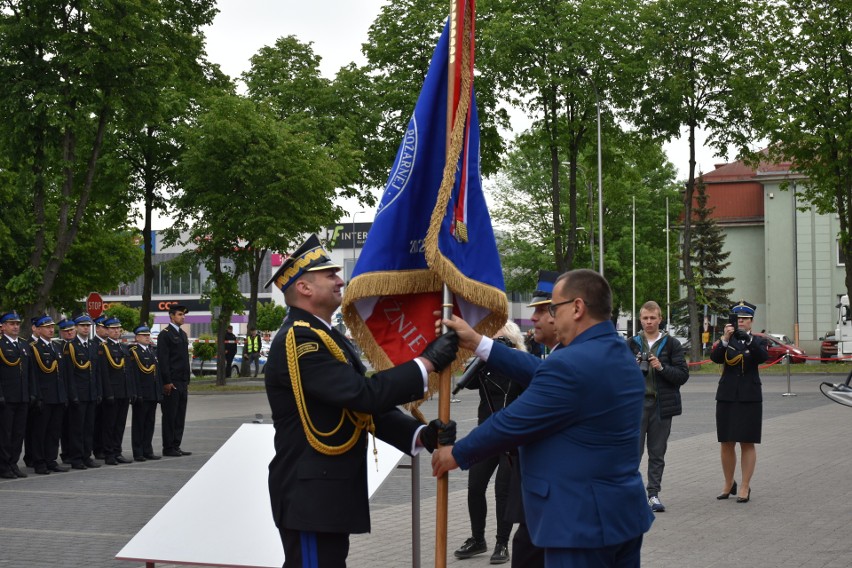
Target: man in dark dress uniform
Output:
{"points": [[51, 397], [173, 363], [67, 332], [16, 393], [119, 391], [230, 350], [318, 478], [149, 391], [98, 432], [84, 392]]}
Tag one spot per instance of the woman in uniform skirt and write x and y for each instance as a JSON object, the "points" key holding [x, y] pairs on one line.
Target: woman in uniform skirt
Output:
{"points": [[739, 399]]}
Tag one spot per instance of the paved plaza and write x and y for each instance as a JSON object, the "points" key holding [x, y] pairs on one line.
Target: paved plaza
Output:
{"points": [[799, 515]]}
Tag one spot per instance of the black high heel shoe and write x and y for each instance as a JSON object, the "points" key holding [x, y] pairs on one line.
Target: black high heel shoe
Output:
{"points": [[746, 498], [733, 491]]}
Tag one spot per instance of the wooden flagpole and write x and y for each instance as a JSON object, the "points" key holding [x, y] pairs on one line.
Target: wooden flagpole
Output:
{"points": [[442, 496]]}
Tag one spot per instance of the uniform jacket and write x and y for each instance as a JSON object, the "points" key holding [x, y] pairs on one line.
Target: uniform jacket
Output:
{"points": [[173, 355], [309, 490], [15, 380], [113, 365], [46, 370], [675, 372], [740, 381], [577, 425], [142, 367], [82, 379]]}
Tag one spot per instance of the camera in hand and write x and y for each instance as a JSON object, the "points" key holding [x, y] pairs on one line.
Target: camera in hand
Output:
{"points": [[644, 365], [738, 333]]}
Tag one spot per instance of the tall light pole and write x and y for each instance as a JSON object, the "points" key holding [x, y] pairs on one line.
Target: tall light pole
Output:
{"points": [[585, 73], [354, 242]]}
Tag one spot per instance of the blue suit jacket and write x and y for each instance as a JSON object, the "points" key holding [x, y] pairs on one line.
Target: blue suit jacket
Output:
{"points": [[577, 426]]}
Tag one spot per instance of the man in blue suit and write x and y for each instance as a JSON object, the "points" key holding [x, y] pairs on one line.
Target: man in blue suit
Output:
{"points": [[577, 428]]}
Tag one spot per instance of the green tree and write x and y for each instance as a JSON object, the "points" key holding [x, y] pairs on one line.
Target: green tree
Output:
{"points": [[129, 317], [697, 67], [250, 184], [810, 61], [205, 349], [70, 73], [270, 316]]}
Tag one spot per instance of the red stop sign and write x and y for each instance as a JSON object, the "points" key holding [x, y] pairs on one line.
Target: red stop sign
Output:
{"points": [[94, 305]]}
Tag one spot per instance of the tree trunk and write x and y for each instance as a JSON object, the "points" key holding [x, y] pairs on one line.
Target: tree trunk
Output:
{"points": [[688, 275]]}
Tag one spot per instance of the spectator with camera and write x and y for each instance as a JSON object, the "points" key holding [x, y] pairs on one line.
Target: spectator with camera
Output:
{"points": [[739, 398], [496, 391], [661, 360]]}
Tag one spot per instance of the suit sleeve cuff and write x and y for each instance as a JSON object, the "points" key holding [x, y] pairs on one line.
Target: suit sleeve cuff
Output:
{"points": [[483, 350], [423, 374]]}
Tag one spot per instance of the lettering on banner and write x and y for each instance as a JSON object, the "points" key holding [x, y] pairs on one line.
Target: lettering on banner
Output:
{"points": [[417, 246], [411, 336]]}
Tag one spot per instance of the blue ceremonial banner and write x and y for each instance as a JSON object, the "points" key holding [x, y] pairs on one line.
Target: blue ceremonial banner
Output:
{"points": [[432, 227]]}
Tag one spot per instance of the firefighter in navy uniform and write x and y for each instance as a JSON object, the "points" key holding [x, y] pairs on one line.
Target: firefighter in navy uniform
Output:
{"points": [[318, 478], [67, 332], [149, 391], [84, 392], [16, 394], [51, 397], [173, 364], [98, 431], [119, 391]]}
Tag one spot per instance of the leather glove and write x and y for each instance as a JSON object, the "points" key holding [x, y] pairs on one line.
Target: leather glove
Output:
{"points": [[75, 402], [134, 399], [110, 400], [98, 400], [438, 433], [36, 404], [442, 351], [2, 402]]}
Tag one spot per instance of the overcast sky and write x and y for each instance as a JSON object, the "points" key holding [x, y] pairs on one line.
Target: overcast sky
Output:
{"points": [[337, 29]]}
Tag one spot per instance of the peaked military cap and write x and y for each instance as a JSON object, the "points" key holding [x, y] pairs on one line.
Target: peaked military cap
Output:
{"points": [[83, 319], [112, 322], [175, 308], [544, 289], [66, 323], [142, 330], [42, 321], [308, 258], [99, 320], [743, 309], [10, 316]]}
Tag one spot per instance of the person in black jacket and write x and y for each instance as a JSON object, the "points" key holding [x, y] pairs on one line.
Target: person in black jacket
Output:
{"points": [[230, 350], [739, 399], [323, 405], [661, 360], [173, 363], [149, 391], [119, 391], [51, 397], [16, 393], [496, 391], [84, 392]]}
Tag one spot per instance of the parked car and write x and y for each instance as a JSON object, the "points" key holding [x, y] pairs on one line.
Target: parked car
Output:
{"points": [[828, 347], [199, 367], [777, 349]]}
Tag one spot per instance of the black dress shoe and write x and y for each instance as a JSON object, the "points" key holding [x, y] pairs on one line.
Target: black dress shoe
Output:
{"points": [[501, 554], [121, 459], [17, 471], [172, 453], [729, 493], [90, 463], [78, 466], [153, 457], [139, 458], [55, 467], [7, 474], [42, 470], [746, 498], [471, 547], [184, 453], [99, 455], [110, 461]]}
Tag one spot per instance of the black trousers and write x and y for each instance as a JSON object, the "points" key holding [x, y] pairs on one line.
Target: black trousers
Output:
{"points": [[313, 549], [174, 416], [44, 438], [81, 427], [477, 484], [98, 430], [142, 427], [13, 427], [524, 553], [114, 420], [29, 441]]}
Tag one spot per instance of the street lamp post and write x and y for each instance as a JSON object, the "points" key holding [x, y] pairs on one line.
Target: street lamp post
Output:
{"points": [[354, 242]]}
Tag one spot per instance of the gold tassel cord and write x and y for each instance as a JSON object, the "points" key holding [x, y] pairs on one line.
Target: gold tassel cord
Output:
{"points": [[734, 361], [360, 420], [111, 361], [147, 370], [7, 362], [44, 368], [85, 366]]}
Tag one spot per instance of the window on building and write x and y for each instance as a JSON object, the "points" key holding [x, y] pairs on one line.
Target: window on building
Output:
{"points": [[171, 282], [841, 258]]}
